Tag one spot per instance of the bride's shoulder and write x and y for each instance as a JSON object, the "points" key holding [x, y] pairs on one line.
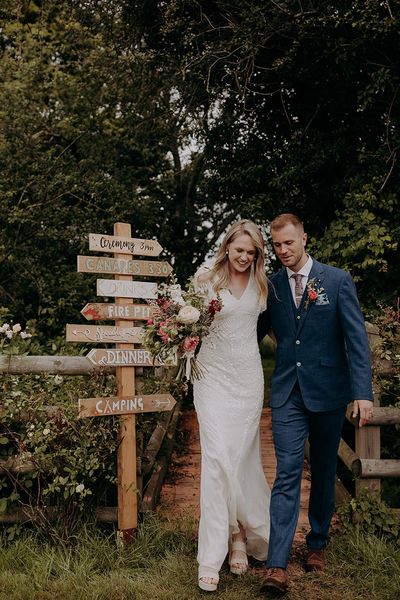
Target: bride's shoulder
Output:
{"points": [[203, 275]]}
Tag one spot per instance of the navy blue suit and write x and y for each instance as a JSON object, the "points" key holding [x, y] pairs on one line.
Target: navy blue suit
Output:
{"points": [[322, 364]]}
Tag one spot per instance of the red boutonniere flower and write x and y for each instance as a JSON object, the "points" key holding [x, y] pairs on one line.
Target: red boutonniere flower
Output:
{"points": [[314, 291]]}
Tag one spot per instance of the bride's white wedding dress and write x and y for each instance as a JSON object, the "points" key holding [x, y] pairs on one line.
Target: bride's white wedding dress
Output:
{"points": [[228, 400]]}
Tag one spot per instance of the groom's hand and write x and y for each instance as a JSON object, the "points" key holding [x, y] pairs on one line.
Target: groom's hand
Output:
{"points": [[363, 409]]}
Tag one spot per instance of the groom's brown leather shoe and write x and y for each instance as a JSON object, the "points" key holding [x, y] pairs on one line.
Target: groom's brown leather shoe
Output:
{"points": [[315, 560], [275, 579]]}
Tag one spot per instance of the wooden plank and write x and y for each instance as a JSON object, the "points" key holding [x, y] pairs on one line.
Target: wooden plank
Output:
{"points": [[120, 266], [349, 458], [126, 289], [134, 358], [382, 415], [152, 494], [96, 311], [104, 334], [25, 514], [123, 245], [380, 467], [58, 365], [124, 405], [155, 442]]}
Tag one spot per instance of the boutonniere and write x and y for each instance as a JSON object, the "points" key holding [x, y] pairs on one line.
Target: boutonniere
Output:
{"points": [[314, 291]]}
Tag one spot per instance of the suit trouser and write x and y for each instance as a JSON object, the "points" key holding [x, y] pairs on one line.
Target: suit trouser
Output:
{"points": [[291, 424]]}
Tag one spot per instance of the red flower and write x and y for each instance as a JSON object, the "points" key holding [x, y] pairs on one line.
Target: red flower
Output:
{"points": [[150, 322], [312, 294], [214, 307], [163, 303]]}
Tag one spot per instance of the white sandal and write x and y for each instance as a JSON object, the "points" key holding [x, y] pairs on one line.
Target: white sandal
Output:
{"points": [[207, 573], [238, 566]]}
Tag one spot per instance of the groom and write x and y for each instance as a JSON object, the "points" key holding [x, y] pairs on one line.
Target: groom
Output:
{"points": [[322, 364]]}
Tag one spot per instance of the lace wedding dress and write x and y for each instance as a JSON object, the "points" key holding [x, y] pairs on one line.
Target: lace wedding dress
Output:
{"points": [[228, 401]]}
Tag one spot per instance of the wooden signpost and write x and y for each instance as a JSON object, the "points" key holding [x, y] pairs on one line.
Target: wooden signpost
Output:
{"points": [[113, 266], [126, 289], [96, 311], [135, 358], [125, 357], [104, 334], [120, 405], [123, 245]]}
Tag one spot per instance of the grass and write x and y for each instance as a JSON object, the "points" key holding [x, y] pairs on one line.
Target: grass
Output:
{"points": [[161, 565]]}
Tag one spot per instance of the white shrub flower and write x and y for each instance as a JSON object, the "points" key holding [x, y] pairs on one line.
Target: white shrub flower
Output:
{"points": [[46, 431], [16, 328], [25, 335], [79, 488]]}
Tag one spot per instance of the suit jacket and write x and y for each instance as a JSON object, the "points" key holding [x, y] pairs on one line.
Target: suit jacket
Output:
{"points": [[324, 346]]}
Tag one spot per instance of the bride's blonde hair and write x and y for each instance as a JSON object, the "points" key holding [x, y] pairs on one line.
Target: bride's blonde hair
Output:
{"points": [[219, 272]]}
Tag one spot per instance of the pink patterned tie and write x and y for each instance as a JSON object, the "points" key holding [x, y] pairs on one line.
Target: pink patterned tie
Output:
{"points": [[298, 288]]}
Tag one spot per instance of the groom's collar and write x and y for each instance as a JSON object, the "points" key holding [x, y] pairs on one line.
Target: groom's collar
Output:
{"points": [[305, 270]]}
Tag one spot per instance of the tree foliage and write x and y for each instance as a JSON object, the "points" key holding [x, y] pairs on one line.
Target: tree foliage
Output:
{"points": [[177, 117]]}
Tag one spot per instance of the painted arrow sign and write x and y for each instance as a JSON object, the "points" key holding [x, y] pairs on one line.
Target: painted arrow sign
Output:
{"points": [[124, 405], [97, 311], [126, 289], [123, 245], [119, 266], [103, 334], [128, 358]]}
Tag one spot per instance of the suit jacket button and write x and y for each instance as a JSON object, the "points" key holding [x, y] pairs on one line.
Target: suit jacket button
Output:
{"points": [[298, 317], [297, 342], [298, 364]]}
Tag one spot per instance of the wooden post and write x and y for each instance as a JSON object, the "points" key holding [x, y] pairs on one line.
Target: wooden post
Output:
{"points": [[126, 457], [368, 445]]}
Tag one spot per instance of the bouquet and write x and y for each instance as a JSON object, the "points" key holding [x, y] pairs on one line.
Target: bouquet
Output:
{"points": [[181, 320]]}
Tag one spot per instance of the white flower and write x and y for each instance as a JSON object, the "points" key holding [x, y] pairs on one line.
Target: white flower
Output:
{"points": [[4, 327], [46, 431], [188, 314], [58, 379], [175, 292], [25, 335], [79, 488], [16, 328], [32, 426], [9, 334]]}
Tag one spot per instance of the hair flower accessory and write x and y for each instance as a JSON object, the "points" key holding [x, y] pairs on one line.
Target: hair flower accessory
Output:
{"points": [[180, 321], [314, 291]]}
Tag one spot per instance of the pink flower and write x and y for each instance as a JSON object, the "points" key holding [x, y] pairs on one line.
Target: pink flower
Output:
{"points": [[150, 322], [190, 343]]}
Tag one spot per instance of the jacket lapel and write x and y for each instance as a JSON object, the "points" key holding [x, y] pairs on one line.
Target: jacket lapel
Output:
{"points": [[317, 272], [284, 294]]}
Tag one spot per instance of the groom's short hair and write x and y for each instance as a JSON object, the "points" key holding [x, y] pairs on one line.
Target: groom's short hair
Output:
{"points": [[286, 219]]}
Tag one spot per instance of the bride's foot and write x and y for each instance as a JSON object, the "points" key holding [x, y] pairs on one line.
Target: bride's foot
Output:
{"points": [[238, 562], [208, 579]]}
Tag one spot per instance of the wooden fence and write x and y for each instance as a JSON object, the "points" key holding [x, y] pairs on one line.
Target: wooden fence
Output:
{"points": [[152, 461], [364, 462]]}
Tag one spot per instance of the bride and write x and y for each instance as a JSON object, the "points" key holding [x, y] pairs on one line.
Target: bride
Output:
{"points": [[234, 496]]}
